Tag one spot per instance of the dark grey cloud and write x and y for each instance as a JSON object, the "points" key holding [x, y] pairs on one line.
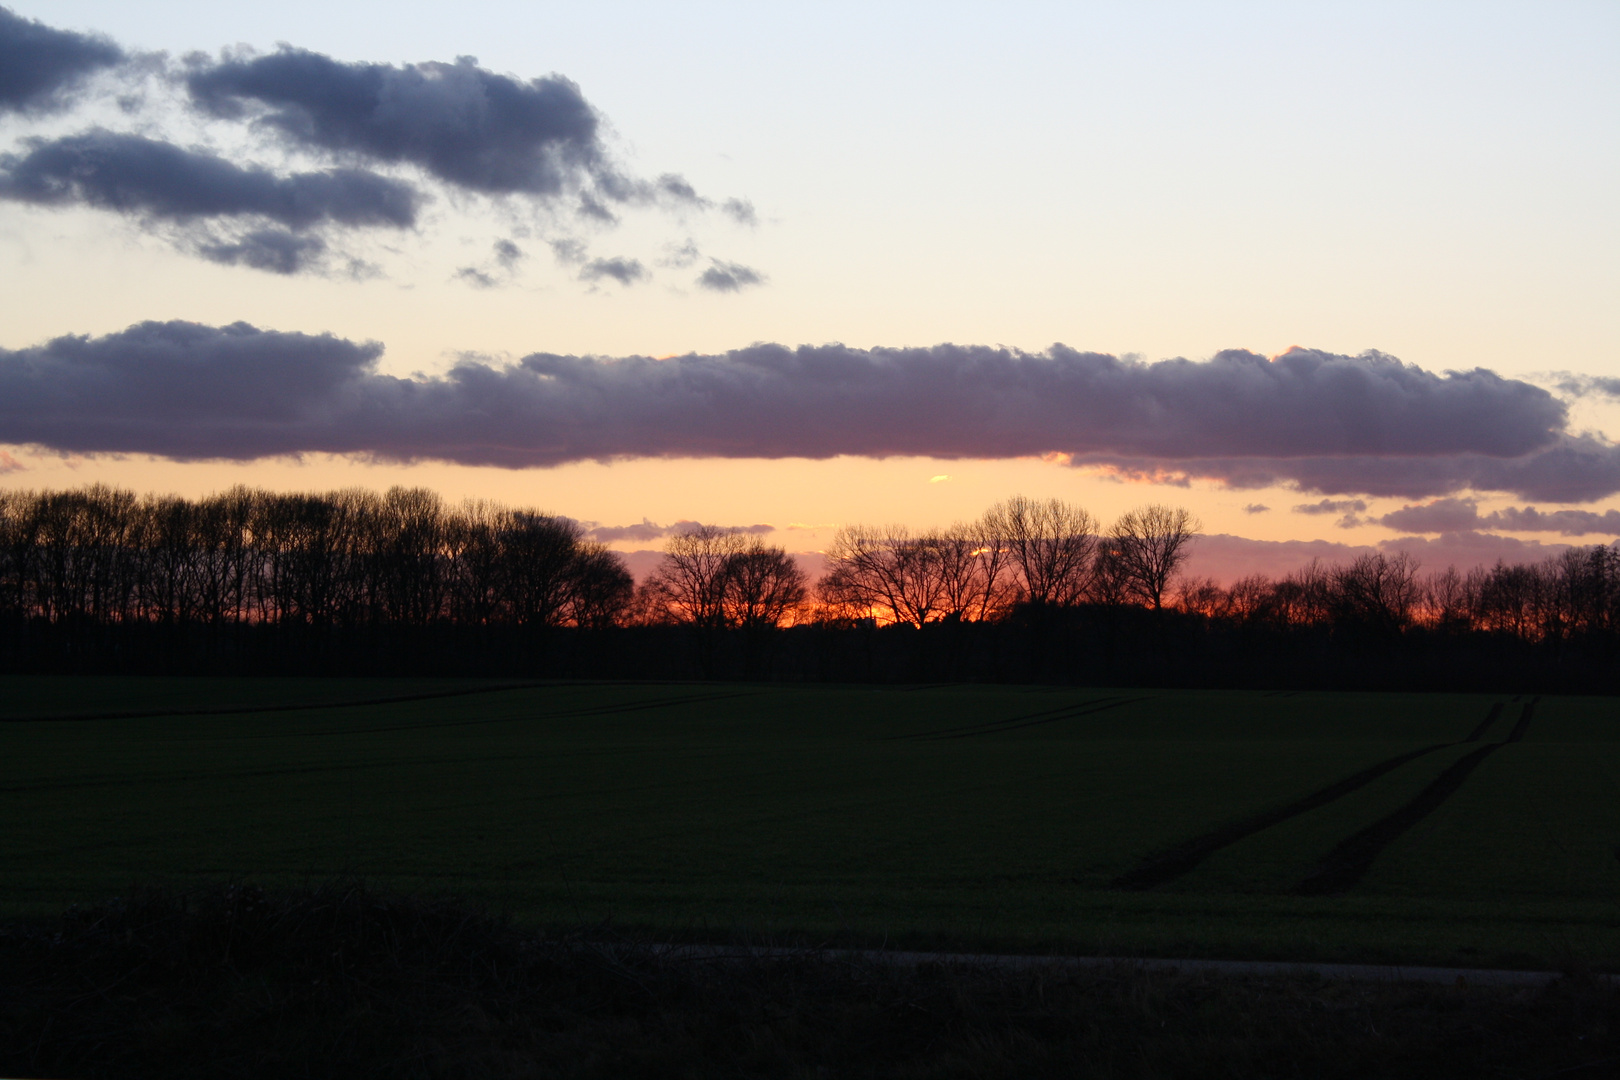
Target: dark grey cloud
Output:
{"points": [[1256, 508], [728, 277], [178, 389], [466, 125], [1297, 418], [132, 174], [1332, 506], [40, 65], [624, 271], [276, 250], [1453, 515]]}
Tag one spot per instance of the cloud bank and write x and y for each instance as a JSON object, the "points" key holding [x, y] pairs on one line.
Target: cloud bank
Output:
{"points": [[1337, 424]]}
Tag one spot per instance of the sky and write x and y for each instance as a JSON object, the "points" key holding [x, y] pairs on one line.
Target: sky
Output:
{"points": [[1334, 276]]}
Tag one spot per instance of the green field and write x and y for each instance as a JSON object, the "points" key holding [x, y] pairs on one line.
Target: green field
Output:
{"points": [[958, 817]]}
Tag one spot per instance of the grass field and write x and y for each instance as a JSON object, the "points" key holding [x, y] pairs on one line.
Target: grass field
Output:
{"points": [[1116, 821]]}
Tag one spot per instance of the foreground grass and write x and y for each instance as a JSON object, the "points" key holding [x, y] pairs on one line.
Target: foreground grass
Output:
{"points": [[959, 818], [342, 982]]}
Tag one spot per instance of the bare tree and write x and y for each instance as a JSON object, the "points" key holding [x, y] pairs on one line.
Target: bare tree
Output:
{"points": [[763, 586], [600, 587], [1445, 599], [1248, 597], [690, 583], [1108, 584], [1377, 590], [958, 565], [886, 573], [1050, 544], [1203, 596], [1151, 543]]}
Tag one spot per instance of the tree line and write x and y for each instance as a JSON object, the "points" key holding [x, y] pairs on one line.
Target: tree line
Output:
{"points": [[103, 579], [243, 557]]}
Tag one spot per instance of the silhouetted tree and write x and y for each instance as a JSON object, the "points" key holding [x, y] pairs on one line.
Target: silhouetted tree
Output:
{"points": [[887, 574], [1151, 543], [689, 584], [763, 586], [1050, 545]]}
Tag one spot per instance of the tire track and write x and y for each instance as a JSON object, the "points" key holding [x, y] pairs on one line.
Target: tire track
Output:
{"points": [[1484, 725], [1158, 869], [1524, 720], [1168, 865], [1349, 862]]}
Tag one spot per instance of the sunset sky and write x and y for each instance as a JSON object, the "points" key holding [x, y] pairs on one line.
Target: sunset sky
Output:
{"points": [[1325, 274]]}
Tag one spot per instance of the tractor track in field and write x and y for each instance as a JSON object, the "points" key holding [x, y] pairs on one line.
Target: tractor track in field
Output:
{"points": [[1171, 864], [1524, 720], [1485, 724], [1349, 862], [1167, 865]]}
